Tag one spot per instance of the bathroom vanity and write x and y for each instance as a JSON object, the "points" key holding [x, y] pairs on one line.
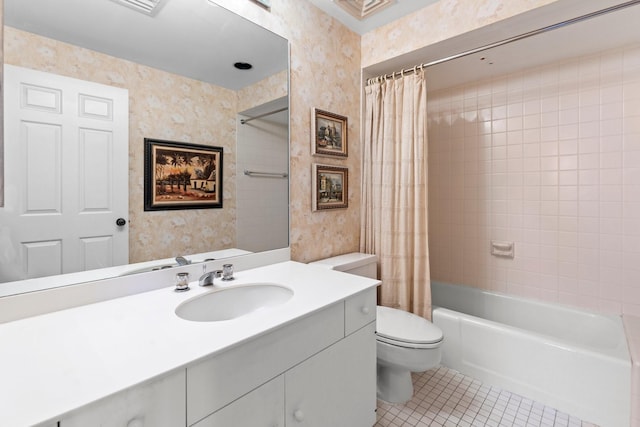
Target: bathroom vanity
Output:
{"points": [[133, 362]]}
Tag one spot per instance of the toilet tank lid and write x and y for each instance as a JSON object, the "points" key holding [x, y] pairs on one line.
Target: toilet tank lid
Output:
{"points": [[347, 261]]}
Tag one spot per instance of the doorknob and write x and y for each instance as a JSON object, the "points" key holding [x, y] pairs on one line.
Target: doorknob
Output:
{"points": [[298, 415], [120, 222]]}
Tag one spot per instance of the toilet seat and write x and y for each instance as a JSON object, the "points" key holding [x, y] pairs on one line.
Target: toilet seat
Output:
{"points": [[403, 344], [404, 329]]}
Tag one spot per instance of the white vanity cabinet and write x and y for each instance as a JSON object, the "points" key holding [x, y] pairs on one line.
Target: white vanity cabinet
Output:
{"points": [[262, 407], [307, 373], [133, 362], [159, 403], [336, 387]]}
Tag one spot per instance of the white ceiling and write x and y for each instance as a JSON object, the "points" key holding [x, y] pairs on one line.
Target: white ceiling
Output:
{"points": [[201, 40], [194, 38], [390, 13]]}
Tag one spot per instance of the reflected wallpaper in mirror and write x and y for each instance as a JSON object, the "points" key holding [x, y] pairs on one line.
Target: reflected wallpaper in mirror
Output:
{"points": [[169, 106]]}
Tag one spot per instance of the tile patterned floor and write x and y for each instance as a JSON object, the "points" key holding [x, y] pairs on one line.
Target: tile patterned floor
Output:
{"points": [[446, 398]]}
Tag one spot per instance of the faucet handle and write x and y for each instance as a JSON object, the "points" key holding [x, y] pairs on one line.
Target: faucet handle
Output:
{"points": [[182, 260], [182, 282], [207, 278], [227, 272]]}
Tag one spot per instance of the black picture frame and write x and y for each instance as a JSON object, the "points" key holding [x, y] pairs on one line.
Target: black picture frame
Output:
{"points": [[181, 175]]}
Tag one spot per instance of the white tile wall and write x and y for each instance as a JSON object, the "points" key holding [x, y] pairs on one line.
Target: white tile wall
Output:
{"points": [[263, 203], [548, 158]]}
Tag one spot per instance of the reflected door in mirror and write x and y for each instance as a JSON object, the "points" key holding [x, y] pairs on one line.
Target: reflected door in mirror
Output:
{"points": [[66, 147]]}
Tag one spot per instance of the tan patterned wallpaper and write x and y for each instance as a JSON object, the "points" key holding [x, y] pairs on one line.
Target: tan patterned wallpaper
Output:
{"points": [[440, 21], [325, 74], [266, 90], [162, 106]]}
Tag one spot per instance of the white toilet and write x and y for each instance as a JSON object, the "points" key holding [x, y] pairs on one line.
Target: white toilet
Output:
{"points": [[405, 342]]}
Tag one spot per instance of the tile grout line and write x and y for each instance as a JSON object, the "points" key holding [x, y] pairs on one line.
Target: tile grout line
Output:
{"points": [[446, 398]]}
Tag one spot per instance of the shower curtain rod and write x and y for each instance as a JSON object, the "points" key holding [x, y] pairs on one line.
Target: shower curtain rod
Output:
{"points": [[243, 121], [506, 41]]}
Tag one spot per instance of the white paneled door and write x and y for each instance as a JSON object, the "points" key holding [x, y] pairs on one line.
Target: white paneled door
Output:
{"points": [[66, 175]]}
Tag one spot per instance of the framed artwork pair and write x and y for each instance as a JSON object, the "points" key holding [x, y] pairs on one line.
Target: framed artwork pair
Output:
{"points": [[330, 189]]}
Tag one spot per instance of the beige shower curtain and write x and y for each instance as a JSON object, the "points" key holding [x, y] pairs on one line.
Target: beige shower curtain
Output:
{"points": [[394, 197]]}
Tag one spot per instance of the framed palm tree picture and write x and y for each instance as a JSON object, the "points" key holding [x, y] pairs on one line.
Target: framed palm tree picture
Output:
{"points": [[180, 175]]}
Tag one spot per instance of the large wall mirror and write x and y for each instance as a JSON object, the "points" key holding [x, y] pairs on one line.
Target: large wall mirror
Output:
{"points": [[186, 71]]}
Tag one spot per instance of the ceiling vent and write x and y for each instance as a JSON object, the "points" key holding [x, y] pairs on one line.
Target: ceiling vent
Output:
{"points": [[148, 7], [362, 9]]}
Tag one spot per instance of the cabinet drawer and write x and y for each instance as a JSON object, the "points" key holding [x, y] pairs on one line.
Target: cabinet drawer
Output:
{"points": [[263, 407], [359, 310], [221, 379], [160, 403]]}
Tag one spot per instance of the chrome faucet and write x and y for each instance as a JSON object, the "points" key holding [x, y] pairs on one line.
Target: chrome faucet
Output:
{"points": [[182, 260], [207, 278]]}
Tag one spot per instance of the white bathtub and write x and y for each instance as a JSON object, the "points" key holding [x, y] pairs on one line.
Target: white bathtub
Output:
{"points": [[575, 361]]}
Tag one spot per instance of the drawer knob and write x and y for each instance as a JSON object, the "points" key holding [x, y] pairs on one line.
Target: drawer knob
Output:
{"points": [[135, 422], [364, 310], [298, 415]]}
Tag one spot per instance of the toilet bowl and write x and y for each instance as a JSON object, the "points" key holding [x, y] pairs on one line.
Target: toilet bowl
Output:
{"points": [[405, 342]]}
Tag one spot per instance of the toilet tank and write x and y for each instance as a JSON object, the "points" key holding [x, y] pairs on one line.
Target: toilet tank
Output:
{"points": [[354, 263]]}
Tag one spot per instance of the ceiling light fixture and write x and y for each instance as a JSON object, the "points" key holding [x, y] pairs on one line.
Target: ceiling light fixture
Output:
{"points": [[361, 9], [148, 7], [243, 66]]}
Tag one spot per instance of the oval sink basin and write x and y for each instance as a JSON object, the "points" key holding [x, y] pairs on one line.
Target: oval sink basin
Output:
{"points": [[234, 302]]}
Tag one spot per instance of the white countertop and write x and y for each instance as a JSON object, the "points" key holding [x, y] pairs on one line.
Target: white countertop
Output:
{"points": [[57, 362], [40, 283]]}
